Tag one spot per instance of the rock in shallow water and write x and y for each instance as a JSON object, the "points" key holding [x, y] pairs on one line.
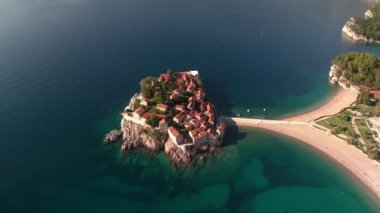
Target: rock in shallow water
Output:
{"points": [[112, 136]]}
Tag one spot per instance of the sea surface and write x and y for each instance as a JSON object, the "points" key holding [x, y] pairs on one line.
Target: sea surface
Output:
{"points": [[68, 68]]}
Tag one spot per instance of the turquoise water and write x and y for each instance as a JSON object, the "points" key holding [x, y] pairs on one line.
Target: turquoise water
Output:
{"points": [[67, 68]]}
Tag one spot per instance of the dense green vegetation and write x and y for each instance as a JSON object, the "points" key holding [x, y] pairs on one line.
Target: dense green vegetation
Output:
{"points": [[364, 130], [367, 110], [369, 27], [340, 124], [148, 86], [359, 68]]}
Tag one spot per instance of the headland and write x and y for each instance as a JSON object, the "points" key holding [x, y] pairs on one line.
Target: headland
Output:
{"points": [[364, 30]]}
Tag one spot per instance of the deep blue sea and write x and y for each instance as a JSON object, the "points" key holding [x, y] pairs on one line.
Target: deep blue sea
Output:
{"points": [[68, 67]]}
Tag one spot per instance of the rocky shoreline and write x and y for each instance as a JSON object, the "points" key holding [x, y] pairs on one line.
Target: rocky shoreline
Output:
{"points": [[338, 77], [136, 136], [171, 114], [348, 30]]}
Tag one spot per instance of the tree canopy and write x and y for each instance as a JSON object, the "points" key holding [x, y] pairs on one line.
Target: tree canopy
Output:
{"points": [[369, 27], [359, 68], [148, 86]]}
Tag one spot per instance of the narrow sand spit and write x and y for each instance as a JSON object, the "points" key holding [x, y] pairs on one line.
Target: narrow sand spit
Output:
{"points": [[343, 98], [300, 127]]}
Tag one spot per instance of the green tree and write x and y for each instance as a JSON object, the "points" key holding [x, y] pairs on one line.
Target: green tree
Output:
{"points": [[157, 135], [148, 86], [359, 68], [369, 27], [136, 104], [159, 97], [364, 98], [172, 74], [345, 116], [376, 110], [153, 121]]}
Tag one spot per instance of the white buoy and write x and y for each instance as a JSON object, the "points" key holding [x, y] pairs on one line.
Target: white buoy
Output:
{"points": [[248, 110], [264, 109]]}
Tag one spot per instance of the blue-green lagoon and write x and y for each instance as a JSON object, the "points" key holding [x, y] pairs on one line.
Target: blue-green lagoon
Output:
{"points": [[67, 68]]}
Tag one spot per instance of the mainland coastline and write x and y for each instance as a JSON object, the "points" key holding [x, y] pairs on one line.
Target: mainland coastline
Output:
{"points": [[302, 129], [346, 127], [364, 30]]}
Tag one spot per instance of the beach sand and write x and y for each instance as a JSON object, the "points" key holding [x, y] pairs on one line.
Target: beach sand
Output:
{"points": [[365, 169], [343, 98]]}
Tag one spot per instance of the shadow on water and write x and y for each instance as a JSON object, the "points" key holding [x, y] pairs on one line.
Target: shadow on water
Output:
{"points": [[233, 135], [218, 96]]}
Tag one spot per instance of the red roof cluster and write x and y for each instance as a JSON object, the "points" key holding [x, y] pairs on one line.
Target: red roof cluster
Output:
{"points": [[174, 131], [195, 112]]}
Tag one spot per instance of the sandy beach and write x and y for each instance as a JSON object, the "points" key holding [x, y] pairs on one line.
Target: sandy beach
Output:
{"points": [[342, 99], [365, 169]]}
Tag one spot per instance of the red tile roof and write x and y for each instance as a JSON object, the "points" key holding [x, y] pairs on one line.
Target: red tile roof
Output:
{"points": [[191, 105], [187, 124], [164, 76], [376, 93], [140, 111], [203, 134], [146, 115], [162, 116], [162, 106], [195, 122], [180, 116], [179, 107], [174, 131]]}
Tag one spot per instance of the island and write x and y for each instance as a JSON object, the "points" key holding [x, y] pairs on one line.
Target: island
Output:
{"points": [[365, 30], [171, 113], [346, 128]]}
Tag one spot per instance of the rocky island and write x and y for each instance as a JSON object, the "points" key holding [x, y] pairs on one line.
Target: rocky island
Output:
{"points": [[365, 30], [170, 113]]}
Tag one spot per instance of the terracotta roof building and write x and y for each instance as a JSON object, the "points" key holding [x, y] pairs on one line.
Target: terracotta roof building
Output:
{"points": [[179, 118], [139, 112], [164, 77], [175, 135], [162, 107]]}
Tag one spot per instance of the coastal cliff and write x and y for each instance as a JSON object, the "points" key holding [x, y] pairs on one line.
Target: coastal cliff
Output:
{"points": [[348, 30], [355, 28], [337, 76], [171, 114], [137, 136], [356, 70]]}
